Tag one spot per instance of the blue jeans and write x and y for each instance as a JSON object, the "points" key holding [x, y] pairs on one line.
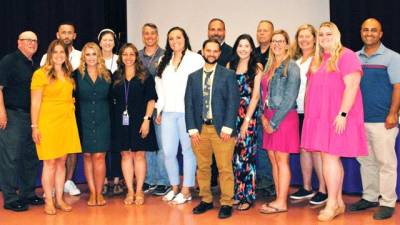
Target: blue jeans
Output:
{"points": [[156, 173], [263, 165], [173, 131]]}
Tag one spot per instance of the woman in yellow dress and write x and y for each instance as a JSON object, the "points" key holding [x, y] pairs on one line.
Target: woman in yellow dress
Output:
{"points": [[54, 128]]}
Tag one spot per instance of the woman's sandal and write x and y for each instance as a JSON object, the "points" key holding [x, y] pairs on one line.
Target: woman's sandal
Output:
{"points": [[49, 208], [326, 215], [92, 200], [244, 205], [130, 198], [100, 200], [139, 198], [268, 209], [64, 206]]}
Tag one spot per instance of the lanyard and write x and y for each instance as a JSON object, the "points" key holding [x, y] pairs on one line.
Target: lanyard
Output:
{"points": [[151, 59], [126, 89]]}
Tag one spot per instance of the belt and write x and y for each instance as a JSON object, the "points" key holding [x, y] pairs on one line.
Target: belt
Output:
{"points": [[13, 108], [208, 122]]}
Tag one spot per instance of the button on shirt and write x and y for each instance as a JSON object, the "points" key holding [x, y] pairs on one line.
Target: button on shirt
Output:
{"points": [[172, 86], [74, 58], [15, 77]]}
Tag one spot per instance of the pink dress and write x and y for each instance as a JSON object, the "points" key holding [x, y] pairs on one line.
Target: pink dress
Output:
{"points": [[323, 100], [286, 138]]}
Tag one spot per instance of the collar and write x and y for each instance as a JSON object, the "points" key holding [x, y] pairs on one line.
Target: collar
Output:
{"points": [[381, 50], [212, 69], [19, 53], [155, 53]]}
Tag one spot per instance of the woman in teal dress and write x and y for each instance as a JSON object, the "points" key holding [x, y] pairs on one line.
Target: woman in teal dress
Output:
{"points": [[93, 82]]}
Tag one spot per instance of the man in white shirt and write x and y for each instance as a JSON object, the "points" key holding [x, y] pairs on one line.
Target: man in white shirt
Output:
{"points": [[66, 33]]}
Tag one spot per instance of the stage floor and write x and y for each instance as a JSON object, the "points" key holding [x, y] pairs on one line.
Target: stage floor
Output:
{"points": [[157, 212]]}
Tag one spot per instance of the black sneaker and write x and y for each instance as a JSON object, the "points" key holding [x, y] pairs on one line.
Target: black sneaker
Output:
{"points": [[383, 213], [302, 194], [161, 190], [319, 198], [148, 188], [363, 204]]}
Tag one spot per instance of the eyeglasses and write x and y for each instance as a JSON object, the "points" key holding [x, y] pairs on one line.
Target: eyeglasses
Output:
{"points": [[279, 42], [30, 41]]}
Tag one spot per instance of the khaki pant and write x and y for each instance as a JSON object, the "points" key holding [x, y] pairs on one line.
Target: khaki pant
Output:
{"points": [[379, 168], [210, 143]]}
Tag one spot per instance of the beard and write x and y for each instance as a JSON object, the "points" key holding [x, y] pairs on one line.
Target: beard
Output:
{"points": [[213, 61]]}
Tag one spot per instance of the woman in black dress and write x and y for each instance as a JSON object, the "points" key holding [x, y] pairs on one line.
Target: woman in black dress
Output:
{"points": [[93, 81], [134, 97]]}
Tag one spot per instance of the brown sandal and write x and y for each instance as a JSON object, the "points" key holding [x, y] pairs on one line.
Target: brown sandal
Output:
{"points": [[49, 208], [92, 200], [64, 206], [139, 198], [100, 200], [129, 199]]}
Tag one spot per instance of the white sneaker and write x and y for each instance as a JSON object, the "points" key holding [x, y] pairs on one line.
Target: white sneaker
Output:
{"points": [[70, 187], [169, 197], [181, 199]]}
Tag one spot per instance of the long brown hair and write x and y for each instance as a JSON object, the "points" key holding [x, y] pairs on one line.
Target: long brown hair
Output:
{"points": [[101, 66], [140, 70], [49, 65]]}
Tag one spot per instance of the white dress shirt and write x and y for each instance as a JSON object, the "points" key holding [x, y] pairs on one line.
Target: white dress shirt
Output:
{"points": [[74, 58], [303, 83]]}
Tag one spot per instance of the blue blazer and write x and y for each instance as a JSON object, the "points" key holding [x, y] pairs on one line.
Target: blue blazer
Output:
{"points": [[224, 100]]}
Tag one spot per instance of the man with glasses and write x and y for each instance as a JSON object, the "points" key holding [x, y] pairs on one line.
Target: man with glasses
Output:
{"points": [[66, 33], [18, 158]]}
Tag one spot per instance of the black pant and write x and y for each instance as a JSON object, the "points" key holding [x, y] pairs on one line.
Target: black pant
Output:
{"points": [[113, 163], [18, 158]]}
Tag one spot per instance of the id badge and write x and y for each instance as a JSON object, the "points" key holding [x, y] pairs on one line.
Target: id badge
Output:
{"points": [[125, 118]]}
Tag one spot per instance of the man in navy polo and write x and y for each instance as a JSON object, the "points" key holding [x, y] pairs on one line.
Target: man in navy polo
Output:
{"points": [[380, 87]]}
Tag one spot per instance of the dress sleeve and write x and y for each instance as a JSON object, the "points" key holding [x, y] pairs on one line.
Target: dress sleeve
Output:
{"points": [[39, 80], [150, 89], [349, 63]]}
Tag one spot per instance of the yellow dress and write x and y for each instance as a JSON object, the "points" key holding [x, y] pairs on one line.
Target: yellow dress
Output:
{"points": [[57, 123]]}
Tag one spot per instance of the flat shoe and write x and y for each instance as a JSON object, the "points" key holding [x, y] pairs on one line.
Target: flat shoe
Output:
{"points": [[92, 200], [273, 210], [139, 198], [181, 199], [129, 199], [243, 206], [100, 200], [326, 215], [169, 196], [64, 207]]}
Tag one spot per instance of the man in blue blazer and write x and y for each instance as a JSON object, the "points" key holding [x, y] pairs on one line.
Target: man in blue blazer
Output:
{"points": [[211, 104]]}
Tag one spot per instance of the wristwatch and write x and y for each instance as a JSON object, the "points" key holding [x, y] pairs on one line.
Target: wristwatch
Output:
{"points": [[343, 114], [147, 118]]}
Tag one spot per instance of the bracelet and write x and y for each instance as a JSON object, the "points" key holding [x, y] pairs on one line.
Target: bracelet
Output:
{"points": [[247, 119]]}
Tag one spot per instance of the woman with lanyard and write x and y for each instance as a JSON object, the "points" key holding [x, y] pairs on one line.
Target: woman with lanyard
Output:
{"points": [[107, 42], [134, 97]]}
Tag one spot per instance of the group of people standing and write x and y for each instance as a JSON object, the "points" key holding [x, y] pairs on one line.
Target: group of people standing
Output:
{"points": [[312, 96]]}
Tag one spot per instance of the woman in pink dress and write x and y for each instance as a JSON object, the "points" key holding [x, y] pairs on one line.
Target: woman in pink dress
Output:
{"points": [[333, 122], [280, 87]]}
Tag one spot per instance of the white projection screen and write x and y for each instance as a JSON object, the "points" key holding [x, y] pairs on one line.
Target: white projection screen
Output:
{"points": [[239, 16]]}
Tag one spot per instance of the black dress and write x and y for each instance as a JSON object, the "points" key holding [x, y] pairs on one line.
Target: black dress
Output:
{"points": [[127, 137]]}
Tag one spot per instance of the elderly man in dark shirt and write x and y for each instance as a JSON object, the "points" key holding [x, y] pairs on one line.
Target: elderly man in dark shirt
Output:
{"points": [[18, 159]]}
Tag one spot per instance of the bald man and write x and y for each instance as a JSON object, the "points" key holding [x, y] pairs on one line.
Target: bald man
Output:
{"points": [[380, 88], [18, 158]]}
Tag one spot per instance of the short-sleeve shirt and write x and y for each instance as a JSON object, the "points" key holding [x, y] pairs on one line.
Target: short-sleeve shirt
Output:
{"points": [[15, 76], [150, 62], [381, 71]]}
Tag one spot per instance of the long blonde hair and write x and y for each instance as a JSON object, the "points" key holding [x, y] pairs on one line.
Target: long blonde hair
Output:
{"points": [[271, 58], [296, 50], [334, 51], [49, 65], [102, 71]]}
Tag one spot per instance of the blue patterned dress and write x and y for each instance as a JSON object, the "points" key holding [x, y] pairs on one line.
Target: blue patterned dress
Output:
{"points": [[244, 157]]}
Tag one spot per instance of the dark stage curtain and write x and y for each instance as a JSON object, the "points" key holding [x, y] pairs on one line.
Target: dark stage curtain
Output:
{"points": [[43, 17], [349, 14]]}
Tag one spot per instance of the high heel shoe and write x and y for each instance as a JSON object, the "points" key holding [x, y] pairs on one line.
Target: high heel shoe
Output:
{"points": [[100, 200], [64, 206], [129, 199]]}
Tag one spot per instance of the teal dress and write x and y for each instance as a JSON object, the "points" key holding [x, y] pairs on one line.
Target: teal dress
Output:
{"points": [[93, 113]]}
